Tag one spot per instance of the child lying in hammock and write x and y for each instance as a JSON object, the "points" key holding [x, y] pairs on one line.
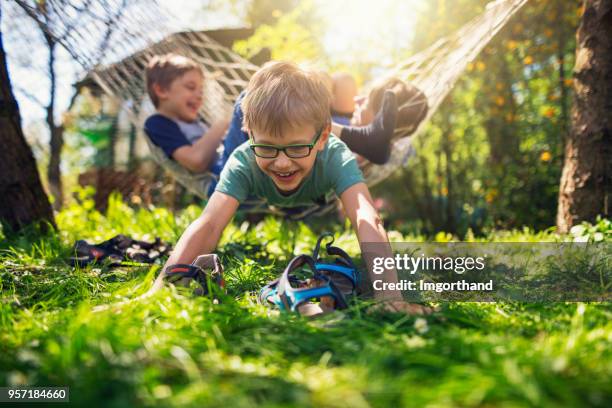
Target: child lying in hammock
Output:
{"points": [[174, 84]]}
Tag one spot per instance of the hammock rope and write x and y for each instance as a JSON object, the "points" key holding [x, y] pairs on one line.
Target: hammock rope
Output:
{"points": [[437, 69], [119, 70]]}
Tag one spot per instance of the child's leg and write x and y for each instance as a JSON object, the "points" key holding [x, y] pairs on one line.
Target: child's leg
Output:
{"points": [[374, 140], [412, 112]]}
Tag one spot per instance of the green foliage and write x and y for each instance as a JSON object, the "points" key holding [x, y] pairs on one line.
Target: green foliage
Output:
{"points": [[80, 220], [176, 350], [287, 38], [598, 232], [492, 155], [261, 12]]}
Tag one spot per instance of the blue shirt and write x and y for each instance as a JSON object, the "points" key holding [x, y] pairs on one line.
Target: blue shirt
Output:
{"points": [[169, 134], [341, 119]]}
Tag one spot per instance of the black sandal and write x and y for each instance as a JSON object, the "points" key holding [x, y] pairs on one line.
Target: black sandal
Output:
{"points": [[205, 270]]}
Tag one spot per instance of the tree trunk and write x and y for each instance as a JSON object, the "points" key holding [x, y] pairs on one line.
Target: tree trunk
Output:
{"points": [[56, 142], [586, 181], [22, 198], [562, 85]]}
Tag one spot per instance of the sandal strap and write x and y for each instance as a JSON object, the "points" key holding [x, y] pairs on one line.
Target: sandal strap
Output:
{"points": [[291, 297], [204, 268], [178, 271], [343, 265]]}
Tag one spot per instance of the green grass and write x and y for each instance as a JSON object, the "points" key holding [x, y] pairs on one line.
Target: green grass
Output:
{"points": [[176, 350]]}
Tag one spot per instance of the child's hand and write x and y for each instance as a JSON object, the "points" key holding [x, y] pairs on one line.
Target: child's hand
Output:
{"points": [[401, 306]]}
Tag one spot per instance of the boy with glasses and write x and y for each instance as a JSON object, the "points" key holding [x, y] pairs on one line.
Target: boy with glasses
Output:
{"points": [[291, 160]]}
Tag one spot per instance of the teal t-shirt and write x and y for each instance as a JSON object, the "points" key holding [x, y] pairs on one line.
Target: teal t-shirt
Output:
{"points": [[335, 169]]}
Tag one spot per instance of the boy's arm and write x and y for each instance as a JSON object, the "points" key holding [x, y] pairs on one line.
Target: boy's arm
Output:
{"points": [[366, 222], [198, 156], [202, 236]]}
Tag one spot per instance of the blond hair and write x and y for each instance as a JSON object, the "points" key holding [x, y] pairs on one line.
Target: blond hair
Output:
{"points": [[282, 96], [163, 69]]}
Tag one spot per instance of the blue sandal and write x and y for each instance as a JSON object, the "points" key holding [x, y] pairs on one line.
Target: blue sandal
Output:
{"points": [[289, 293]]}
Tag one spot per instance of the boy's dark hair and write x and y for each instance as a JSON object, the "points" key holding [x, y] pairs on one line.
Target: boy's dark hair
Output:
{"points": [[163, 69]]}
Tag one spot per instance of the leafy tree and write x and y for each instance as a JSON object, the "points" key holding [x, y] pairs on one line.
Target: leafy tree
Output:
{"points": [[492, 154]]}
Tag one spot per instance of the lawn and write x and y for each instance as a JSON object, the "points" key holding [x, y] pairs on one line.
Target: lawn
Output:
{"points": [[177, 350]]}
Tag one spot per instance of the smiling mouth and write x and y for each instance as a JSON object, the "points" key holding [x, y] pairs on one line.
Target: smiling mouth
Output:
{"points": [[285, 176]]}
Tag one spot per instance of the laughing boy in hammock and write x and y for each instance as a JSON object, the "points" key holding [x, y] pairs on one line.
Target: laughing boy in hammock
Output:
{"points": [[174, 84], [291, 159]]}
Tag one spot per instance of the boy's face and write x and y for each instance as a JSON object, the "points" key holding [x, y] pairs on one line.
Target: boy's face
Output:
{"points": [[183, 98], [288, 173]]}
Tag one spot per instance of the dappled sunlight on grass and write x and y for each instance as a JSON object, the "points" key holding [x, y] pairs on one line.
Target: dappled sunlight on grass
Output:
{"points": [[173, 349]]}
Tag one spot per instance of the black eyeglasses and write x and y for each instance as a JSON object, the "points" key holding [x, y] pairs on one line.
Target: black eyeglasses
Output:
{"points": [[294, 151]]}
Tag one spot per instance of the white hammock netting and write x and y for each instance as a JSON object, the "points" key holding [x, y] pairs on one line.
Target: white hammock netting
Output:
{"points": [[435, 71]]}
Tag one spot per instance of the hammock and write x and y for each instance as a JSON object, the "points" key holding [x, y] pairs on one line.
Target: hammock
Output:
{"points": [[434, 70]]}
